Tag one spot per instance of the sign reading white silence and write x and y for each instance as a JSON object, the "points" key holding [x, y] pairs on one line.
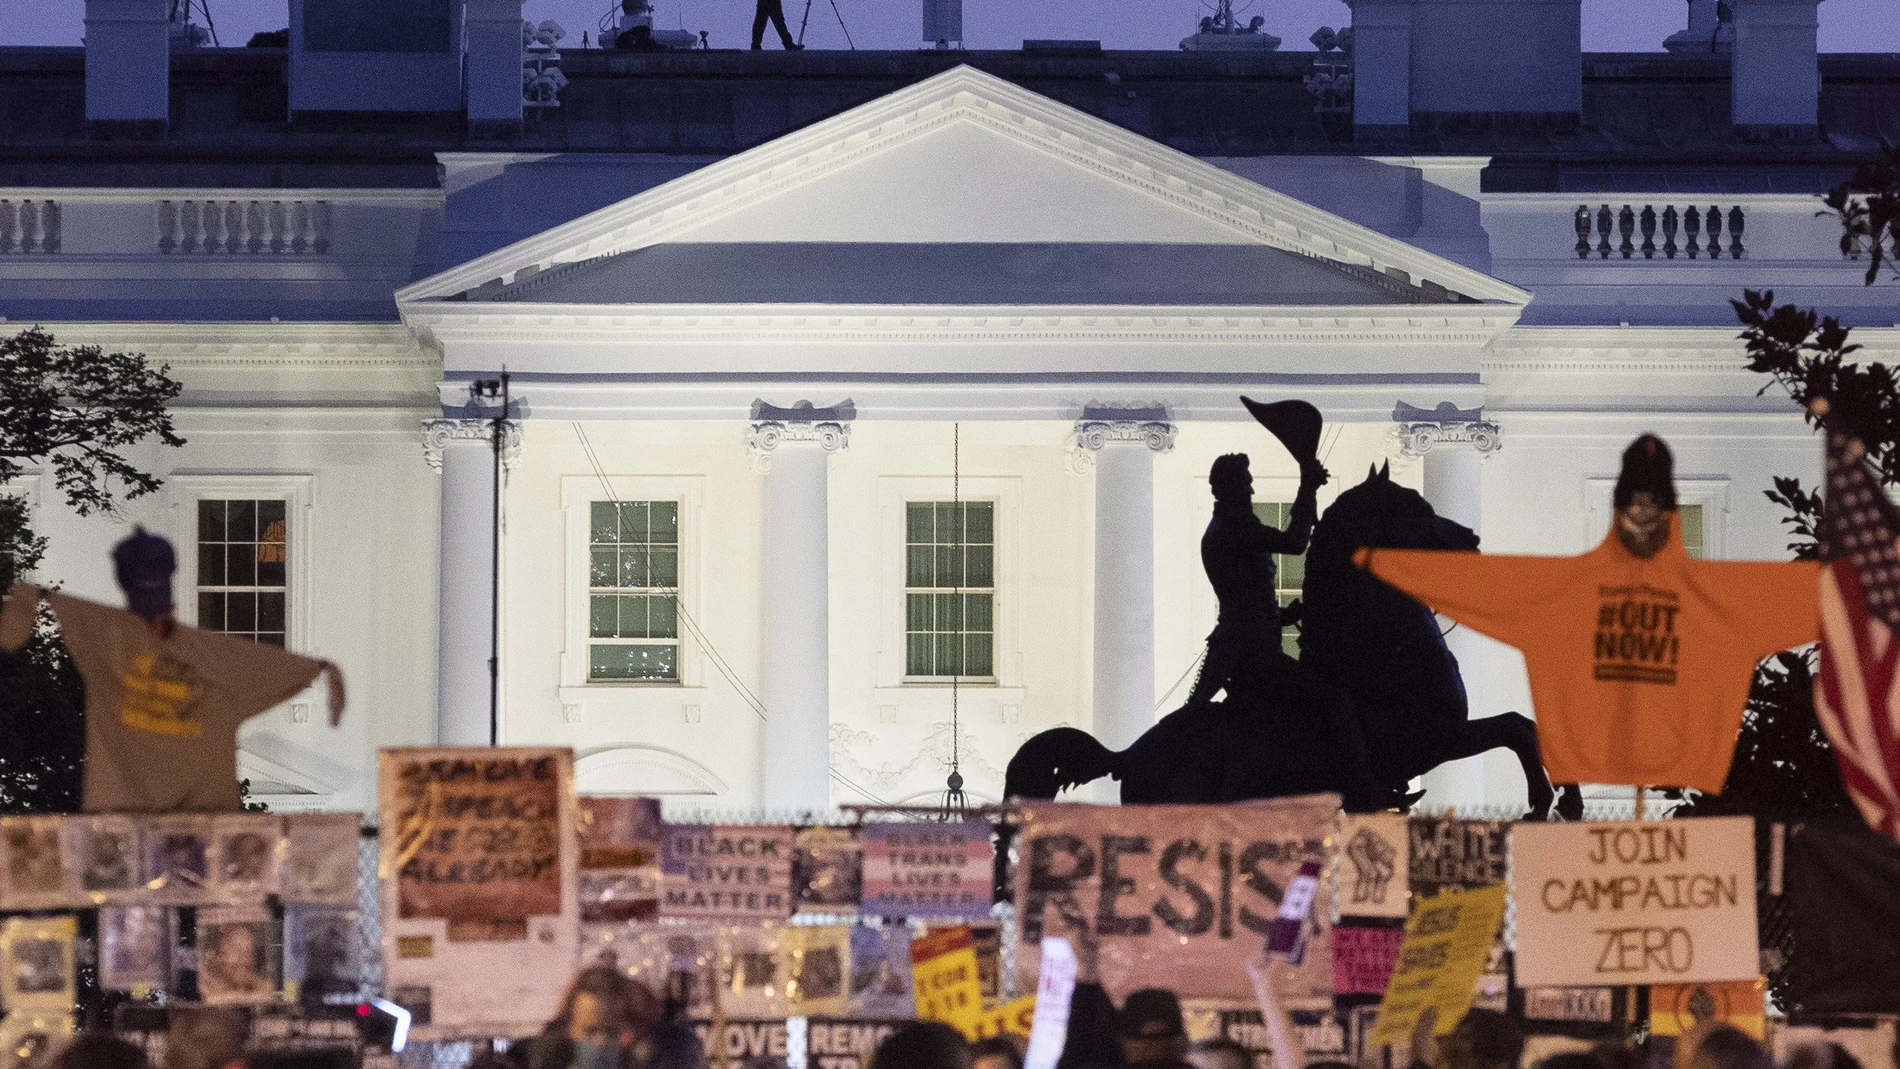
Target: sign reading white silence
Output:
{"points": [[1656, 902]]}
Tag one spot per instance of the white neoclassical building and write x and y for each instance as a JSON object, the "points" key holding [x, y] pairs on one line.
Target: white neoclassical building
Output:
{"points": [[883, 440]]}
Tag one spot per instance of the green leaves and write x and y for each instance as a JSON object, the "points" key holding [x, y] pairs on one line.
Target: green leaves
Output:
{"points": [[1868, 206], [76, 408]]}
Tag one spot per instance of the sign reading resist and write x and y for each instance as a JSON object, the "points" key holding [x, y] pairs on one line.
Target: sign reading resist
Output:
{"points": [[1659, 902]]}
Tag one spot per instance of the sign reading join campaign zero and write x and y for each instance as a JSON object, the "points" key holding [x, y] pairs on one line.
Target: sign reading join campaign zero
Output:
{"points": [[1660, 902]]}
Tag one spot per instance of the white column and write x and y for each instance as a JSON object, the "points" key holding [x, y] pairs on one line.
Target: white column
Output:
{"points": [[1123, 443], [795, 649], [463, 451]]}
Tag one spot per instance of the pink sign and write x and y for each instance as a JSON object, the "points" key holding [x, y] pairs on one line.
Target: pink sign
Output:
{"points": [[928, 870], [1363, 959]]}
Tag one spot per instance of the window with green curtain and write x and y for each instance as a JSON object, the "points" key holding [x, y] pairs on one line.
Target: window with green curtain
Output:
{"points": [[1695, 535], [950, 589], [633, 550], [1289, 570]]}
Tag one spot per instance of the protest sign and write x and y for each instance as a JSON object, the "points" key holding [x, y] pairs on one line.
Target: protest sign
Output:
{"points": [[478, 865], [827, 870], [728, 871], [323, 861], [1175, 896], [1674, 1009], [1363, 959], [619, 878], [880, 972], [1318, 1032], [746, 1044], [943, 974], [1016, 1018], [1587, 1005], [37, 963], [925, 869], [1635, 903], [1055, 990], [818, 969], [844, 1043], [1374, 853], [1448, 854], [1447, 943], [753, 972]]}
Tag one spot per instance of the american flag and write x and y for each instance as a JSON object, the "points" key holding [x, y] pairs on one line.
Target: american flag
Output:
{"points": [[1857, 694]]}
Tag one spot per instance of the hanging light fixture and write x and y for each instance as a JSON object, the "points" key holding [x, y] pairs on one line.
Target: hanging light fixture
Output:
{"points": [[955, 804]]}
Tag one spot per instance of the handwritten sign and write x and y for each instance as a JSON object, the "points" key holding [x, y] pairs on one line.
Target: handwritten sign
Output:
{"points": [[728, 871], [1674, 1009], [759, 1044], [1055, 992], [844, 1043], [1452, 855], [1635, 903], [1591, 1005], [620, 859], [928, 870], [943, 973], [1374, 850], [1175, 896], [478, 833], [1448, 940], [1317, 1032], [1014, 1018], [1363, 959]]}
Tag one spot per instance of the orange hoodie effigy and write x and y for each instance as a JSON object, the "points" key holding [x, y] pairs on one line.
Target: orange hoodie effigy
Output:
{"points": [[1639, 668]]}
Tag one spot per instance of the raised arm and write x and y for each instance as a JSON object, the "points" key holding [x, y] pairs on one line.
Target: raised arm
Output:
{"points": [[17, 616], [1299, 521]]}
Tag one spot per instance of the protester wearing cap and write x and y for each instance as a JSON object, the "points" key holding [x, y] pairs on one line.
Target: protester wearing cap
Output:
{"points": [[1152, 1032], [163, 700]]}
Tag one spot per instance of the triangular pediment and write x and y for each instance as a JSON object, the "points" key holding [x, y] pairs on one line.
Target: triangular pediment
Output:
{"points": [[966, 158]]}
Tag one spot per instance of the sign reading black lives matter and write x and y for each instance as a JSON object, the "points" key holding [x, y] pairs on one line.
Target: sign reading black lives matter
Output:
{"points": [[1657, 902], [727, 871], [478, 862]]}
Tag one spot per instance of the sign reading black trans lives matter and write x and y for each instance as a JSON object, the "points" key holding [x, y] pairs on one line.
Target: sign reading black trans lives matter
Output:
{"points": [[1656, 902]]}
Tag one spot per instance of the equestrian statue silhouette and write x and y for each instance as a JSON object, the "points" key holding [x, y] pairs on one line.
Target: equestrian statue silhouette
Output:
{"points": [[1374, 699]]}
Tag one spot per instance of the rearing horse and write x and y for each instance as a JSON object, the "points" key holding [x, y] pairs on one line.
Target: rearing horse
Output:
{"points": [[1364, 642]]}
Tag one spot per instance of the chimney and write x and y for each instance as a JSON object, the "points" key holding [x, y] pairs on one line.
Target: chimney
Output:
{"points": [[1495, 57], [492, 66], [128, 65], [1382, 67], [1775, 77], [1710, 31]]}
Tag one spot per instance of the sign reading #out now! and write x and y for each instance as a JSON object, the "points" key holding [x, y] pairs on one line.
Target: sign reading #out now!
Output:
{"points": [[1658, 902]]}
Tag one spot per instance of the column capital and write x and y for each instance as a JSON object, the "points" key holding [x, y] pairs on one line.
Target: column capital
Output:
{"points": [[437, 434], [827, 428], [1103, 425], [1420, 429]]}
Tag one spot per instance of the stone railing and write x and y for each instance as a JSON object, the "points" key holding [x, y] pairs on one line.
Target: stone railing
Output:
{"points": [[28, 227], [1689, 233], [244, 227]]}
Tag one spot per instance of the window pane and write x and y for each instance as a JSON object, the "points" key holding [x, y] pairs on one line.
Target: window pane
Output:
{"points": [[241, 522], [601, 568], [665, 523], [665, 567], [948, 573], [977, 655], [240, 611], [602, 526], [633, 521], [1292, 570], [917, 660], [633, 617], [240, 564], [662, 617], [918, 570], [270, 572], [211, 610], [633, 662], [980, 525], [947, 525], [917, 522], [274, 639], [603, 619], [917, 612], [633, 568], [1694, 531], [977, 608], [270, 511], [270, 610], [211, 565], [980, 561], [949, 613], [210, 521], [948, 656]]}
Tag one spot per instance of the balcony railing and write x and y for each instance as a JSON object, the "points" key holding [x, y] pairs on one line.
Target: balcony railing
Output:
{"points": [[28, 227], [244, 227], [1688, 233]]}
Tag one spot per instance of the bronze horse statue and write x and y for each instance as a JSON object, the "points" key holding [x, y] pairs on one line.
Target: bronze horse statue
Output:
{"points": [[1364, 643]]}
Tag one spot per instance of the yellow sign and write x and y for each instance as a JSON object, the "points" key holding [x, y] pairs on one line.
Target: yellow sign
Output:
{"points": [[1014, 1018], [1447, 941], [943, 973], [1674, 1009]]}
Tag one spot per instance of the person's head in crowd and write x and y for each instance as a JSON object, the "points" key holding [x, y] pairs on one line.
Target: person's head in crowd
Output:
{"points": [[996, 1052], [600, 1014], [1090, 1041], [923, 1045], [143, 564], [1821, 1056], [100, 1050], [1220, 1053], [1151, 1028], [1724, 1046], [206, 1037], [1484, 1039]]}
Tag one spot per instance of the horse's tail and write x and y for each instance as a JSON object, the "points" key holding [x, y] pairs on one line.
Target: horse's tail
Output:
{"points": [[1055, 760]]}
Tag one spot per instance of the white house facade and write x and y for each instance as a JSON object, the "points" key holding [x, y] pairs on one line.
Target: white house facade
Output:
{"points": [[880, 444]]}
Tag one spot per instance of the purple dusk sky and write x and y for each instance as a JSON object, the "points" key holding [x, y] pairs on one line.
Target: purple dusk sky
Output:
{"points": [[1608, 25]]}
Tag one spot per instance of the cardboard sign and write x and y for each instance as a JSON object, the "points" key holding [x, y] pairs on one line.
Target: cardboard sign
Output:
{"points": [[880, 972], [1668, 901], [1363, 959], [1453, 855], [1676, 1008], [1589, 1005], [757, 1044], [943, 972], [928, 870], [1374, 850], [827, 870], [478, 866], [1175, 896], [1318, 1033], [620, 859], [1055, 991], [1448, 941], [844, 1043], [728, 871], [1015, 1018]]}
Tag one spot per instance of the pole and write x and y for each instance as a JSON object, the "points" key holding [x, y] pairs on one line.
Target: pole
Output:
{"points": [[499, 433]]}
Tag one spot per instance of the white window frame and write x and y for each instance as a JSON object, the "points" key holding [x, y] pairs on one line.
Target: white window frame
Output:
{"points": [[578, 494], [1709, 491], [296, 490], [895, 494]]}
